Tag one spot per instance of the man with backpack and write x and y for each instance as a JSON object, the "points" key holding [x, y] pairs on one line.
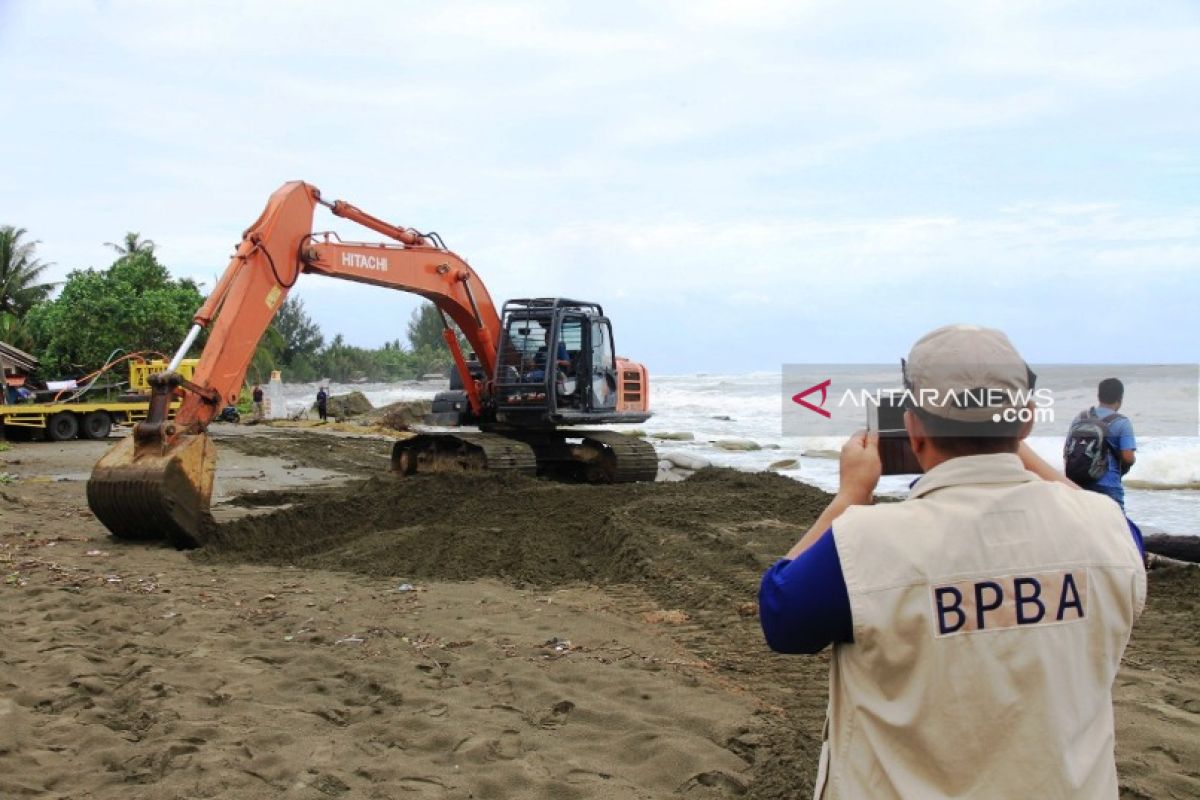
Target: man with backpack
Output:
{"points": [[1100, 444]]}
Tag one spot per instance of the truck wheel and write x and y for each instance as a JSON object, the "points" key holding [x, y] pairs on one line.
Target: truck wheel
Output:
{"points": [[62, 426], [97, 425]]}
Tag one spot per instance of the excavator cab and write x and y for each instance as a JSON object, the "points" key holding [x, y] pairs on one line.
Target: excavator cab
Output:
{"points": [[556, 372], [556, 365]]}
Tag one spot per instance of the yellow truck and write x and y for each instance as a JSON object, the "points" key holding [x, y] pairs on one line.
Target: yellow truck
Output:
{"points": [[90, 419]]}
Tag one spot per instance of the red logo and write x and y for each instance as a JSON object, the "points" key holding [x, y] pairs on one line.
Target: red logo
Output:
{"points": [[823, 388]]}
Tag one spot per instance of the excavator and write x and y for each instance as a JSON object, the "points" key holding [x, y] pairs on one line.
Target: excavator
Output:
{"points": [[538, 369]]}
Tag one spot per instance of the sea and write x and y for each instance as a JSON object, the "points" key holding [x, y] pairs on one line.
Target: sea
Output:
{"points": [[1162, 490]]}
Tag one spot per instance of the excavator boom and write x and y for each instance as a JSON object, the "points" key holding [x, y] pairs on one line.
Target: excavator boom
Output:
{"points": [[280, 246], [158, 482]]}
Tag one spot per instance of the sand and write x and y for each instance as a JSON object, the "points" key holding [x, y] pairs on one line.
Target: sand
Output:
{"points": [[350, 635]]}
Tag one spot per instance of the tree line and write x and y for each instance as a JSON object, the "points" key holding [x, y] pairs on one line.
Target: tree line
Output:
{"points": [[135, 305]]}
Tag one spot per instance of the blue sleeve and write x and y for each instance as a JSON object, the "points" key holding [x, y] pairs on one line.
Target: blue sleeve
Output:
{"points": [[1122, 432], [1136, 533], [803, 604], [563, 355]]}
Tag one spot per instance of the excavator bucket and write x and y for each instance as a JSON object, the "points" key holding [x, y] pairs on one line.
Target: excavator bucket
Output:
{"points": [[145, 490]]}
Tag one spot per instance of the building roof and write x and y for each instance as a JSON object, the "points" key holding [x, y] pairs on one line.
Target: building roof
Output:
{"points": [[11, 356]]}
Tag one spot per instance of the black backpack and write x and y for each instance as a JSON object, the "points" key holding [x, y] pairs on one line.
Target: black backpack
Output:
{"points": [[1085, 454]]}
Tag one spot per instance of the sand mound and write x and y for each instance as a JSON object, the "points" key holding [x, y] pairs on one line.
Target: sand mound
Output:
{"points": [[447, 527]]}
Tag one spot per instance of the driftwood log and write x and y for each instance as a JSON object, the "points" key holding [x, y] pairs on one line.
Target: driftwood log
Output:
{"points": [[1180, 548]]}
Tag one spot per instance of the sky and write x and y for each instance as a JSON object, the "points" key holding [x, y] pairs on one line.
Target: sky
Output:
{"points": [[739, 184]]}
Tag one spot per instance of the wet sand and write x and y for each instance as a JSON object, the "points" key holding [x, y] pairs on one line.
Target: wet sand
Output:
{"points": [[350, 635]]}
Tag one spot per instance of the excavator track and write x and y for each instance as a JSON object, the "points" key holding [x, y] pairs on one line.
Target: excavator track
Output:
{"points": [[590, 456], [463, 452], [634, 459]]}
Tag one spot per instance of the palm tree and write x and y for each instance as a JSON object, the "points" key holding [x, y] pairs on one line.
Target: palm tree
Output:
{"points": [[19, 273], [132, 244]]}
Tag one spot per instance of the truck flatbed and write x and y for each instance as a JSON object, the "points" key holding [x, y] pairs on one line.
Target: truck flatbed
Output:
{"points": [[63, 421]]}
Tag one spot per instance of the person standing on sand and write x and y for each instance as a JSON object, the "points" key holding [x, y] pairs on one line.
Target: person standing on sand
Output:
{"points": [[323, 404], [977, 626], [257, 400], [1100, 444]]}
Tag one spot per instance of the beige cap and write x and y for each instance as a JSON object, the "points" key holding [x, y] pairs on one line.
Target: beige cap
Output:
{"points": [[967, 373]]}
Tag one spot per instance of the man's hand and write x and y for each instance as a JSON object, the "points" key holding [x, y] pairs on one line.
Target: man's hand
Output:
{"points": [[860, 470], [860, 467]]}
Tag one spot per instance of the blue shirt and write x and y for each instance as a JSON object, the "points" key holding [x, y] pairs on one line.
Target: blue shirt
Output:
{"points": [[804, 606], [803, 603], [1120, 437]]}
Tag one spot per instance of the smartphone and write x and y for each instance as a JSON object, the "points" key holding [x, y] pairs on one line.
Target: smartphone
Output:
{"points": [[895, 452]]}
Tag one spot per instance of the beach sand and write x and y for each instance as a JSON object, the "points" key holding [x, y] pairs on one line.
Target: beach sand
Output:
{"points": [[352, 635]]}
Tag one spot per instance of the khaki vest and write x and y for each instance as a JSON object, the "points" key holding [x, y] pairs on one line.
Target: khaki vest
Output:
{"points": [[991, 609]]}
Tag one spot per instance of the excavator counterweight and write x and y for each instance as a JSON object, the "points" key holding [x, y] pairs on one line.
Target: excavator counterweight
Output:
{"points": [[547, 365]]}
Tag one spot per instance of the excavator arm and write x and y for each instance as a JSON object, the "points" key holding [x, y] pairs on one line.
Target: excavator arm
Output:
{"points": [[436, 274], [159, 480], [271, 257]]}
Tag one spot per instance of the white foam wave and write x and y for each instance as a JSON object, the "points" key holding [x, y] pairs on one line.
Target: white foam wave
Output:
{"points": [[1166, 462], [823, 446], [1173, 467]]}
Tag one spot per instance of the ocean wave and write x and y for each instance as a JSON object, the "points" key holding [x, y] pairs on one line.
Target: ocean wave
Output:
{"points": [[1163, 465]]}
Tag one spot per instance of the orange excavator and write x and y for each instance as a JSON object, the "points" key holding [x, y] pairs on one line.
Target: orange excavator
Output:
{"points": [[538, 368]]}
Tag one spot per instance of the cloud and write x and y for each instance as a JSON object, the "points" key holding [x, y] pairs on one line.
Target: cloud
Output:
{"points": [[699, 154]]}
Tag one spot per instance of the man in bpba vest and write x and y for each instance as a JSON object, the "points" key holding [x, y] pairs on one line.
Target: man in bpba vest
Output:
{"points": [[977, 626]]}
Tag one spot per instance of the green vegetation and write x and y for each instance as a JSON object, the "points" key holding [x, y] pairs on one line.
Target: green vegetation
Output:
{"points": [[132, 305], [135, 305], [20, 290], [301, 338], [295, 345], [426, 331]]}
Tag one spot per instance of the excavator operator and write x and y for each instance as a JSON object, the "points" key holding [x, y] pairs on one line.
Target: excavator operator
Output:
{"points": [[565, 383], [538, 361]]}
